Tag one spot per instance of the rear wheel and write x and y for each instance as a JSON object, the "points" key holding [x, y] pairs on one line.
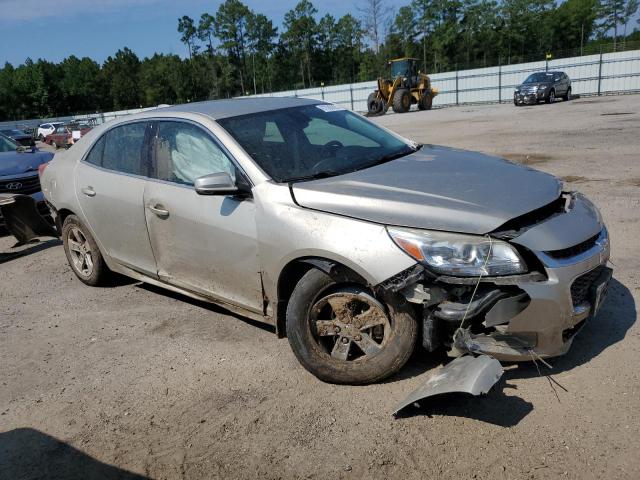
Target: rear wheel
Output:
{"points": [[82, 253], [54, 144], [342, 334], [401, 101], [375, 105], [425, 103]]}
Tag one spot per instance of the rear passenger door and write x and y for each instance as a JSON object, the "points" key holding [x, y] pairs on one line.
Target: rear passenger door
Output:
{"points": [[110, 184], [206, 244]]}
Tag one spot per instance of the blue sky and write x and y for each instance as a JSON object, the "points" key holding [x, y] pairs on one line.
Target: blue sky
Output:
{"points": [[55, 29]]}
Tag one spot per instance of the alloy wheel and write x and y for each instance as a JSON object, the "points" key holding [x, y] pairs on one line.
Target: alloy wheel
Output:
{"points": [[80, 251], [350, 326]]}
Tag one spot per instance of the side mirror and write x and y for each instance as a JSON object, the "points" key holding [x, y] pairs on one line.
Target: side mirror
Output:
{"points": [[219, 183]]}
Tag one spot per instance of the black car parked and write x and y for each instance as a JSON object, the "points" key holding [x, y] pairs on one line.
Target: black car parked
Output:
{"points": [[19, 137], [545, 86]]}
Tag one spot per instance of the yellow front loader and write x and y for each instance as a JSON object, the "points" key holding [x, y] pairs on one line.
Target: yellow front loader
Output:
{"points": [[405, 87]]}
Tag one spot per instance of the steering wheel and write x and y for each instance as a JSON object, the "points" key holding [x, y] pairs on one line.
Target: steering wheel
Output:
{"points": [[334, 144]]}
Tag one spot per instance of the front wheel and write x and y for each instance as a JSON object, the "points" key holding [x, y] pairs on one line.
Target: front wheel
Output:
{"points": [[401, 100], [552, 96], [567, 96], [54, 144], [341, 333]]}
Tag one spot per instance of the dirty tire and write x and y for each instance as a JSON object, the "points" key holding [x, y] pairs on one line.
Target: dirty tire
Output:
{"points": [[425, 102], [567, 96], [374, 104], [401, 100], [100, 273], [313, 286], [551, 97]]}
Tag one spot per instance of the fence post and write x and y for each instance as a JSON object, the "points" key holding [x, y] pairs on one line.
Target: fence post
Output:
{"points": [[351, 94], [500, 80], [600, 71], [457, 103]]}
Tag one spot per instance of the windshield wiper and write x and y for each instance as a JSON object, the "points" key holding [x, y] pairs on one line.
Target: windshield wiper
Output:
{"points": [[392, 156], [315, 176]]}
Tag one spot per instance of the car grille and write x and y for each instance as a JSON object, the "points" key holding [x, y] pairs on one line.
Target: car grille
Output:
{"points": [[581, 286], [527, 90], [574, 250], [25, 185]]}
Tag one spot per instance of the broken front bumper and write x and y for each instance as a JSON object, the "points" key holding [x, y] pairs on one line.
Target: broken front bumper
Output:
{"points": [[521, 317], [558, 307]]}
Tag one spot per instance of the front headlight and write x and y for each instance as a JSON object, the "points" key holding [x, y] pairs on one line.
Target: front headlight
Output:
{"points": [[460, 255], [542, 87]]}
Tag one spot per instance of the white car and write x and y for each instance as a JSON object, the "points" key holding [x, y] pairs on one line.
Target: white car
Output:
{"points": [[47, 129]]}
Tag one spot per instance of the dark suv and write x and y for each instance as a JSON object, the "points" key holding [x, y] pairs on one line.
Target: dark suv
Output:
{"points": [[545, 86]]}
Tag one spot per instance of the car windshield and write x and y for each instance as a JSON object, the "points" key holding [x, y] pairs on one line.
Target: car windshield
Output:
{"points": [[539, 77], [7, 145], [313, 141]]}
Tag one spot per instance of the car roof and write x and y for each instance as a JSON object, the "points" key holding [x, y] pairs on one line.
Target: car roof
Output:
{"points": [[218, 109]]}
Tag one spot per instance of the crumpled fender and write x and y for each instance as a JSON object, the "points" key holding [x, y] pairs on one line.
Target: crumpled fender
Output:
{"points": [[22, 219], [467, 374]]}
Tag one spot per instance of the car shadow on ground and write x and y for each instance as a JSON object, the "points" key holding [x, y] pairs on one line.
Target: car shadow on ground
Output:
{"points": [[28, 453], [27, 249], [617, 316], [212, 307]]}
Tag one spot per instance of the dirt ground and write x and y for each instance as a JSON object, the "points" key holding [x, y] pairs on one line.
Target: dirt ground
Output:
{"points": [[132, 380]]}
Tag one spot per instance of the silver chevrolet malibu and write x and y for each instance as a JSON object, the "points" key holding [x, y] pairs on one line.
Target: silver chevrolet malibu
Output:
{"points": [[349, 239]]}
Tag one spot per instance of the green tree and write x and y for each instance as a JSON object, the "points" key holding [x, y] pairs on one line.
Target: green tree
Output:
{"points": [[231, 28], [261, 35], [187, 28], [121, 77], [299, 37], [611, 15]]}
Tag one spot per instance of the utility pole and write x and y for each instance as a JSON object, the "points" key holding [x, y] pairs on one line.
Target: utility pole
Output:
{"points": [[581, 38]]}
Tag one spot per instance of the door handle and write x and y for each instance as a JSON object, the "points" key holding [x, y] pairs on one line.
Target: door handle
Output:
{"points": [[158, 210], [88, 191]]}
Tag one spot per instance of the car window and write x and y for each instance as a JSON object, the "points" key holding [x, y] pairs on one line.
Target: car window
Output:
{"points": [[95, 155], [272, 133], [184, 152], [46, 125], [7, 145], [60, 130], [321, 132], [319, 140], [123, 148]]}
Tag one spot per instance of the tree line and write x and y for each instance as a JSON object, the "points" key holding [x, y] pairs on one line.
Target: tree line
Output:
{"points": [[237, 51]]}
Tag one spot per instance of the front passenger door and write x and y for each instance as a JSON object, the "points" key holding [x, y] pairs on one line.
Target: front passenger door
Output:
{"points": [[206, 244]]}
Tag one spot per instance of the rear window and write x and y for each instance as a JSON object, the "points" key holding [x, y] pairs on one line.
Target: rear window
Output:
{"points": [[95, 155], [123, 148]]}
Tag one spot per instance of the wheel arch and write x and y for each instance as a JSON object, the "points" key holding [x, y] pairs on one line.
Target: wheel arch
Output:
{"points": [[293, 271]]}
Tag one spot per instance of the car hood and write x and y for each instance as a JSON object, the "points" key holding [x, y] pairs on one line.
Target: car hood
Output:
{"points": [[14, 163], [530, 85], [435, 188]]}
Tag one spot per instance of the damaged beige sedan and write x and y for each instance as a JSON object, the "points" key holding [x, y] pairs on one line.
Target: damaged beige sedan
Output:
{"points": [[353, 242]]}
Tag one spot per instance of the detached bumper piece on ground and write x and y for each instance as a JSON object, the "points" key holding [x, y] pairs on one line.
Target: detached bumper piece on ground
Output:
{"points": [[22, 219], [467, 374]]}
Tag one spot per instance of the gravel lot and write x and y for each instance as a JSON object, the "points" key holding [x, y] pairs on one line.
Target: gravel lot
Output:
{"points": [[132, 380]]}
